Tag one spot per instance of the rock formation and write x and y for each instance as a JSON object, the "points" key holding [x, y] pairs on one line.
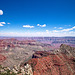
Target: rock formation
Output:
{"points": [[43, 62], [46, 63], [68, 50]]}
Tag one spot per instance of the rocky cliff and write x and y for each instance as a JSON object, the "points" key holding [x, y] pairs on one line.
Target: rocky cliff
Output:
{"points": [[46, 63], [68, 50], [61, 62]]}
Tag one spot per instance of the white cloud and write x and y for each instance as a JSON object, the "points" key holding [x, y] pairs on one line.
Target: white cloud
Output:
{"points": [[69, 25], [69, 29], [44, 25], [39, 34], [55, 27], [1, 12], [8, 23], [55, 31], [60, 28], [47, 31], [28, 26], [1, 23], [64, 30], [73, 27]]}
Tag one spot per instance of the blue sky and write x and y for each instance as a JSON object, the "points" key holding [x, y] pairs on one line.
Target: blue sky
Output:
{"points": [[37, 18]]}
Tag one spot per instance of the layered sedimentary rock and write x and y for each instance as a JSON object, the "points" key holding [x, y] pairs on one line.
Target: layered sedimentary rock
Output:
{"points": [[5, 45], [46, 63], [2, 58], [49, 63], [68, 50]]}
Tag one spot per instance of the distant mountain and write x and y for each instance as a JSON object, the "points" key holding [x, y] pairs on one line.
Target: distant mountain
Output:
{"points": [[54, 41]]}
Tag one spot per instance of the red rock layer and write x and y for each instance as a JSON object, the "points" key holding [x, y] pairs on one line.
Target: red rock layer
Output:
{"points": [[53, 64], [25, 42], [2, 58], [4, 44]]}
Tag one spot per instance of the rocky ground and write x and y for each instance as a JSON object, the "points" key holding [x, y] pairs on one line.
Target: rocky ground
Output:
{"points": [[35, 58], [16, 51], [57, 63]]}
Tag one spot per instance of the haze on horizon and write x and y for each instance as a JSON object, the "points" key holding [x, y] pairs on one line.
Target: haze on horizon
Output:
{"points": [[40, 18]]}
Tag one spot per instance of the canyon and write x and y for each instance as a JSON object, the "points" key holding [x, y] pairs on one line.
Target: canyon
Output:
{"points": [[38, 56]]}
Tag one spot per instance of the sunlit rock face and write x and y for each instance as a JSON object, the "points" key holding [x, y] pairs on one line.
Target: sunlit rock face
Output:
{"points": [[2, 58], [68, 50], [4, 45], [23, 70], [37, 59], [39, 54], [46, 63]]}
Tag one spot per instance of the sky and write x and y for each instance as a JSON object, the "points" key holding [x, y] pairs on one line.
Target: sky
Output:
{"points": [[37, 18]]}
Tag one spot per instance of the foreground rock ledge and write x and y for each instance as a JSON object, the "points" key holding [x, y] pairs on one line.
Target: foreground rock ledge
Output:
{"points": [[45, 63]]}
